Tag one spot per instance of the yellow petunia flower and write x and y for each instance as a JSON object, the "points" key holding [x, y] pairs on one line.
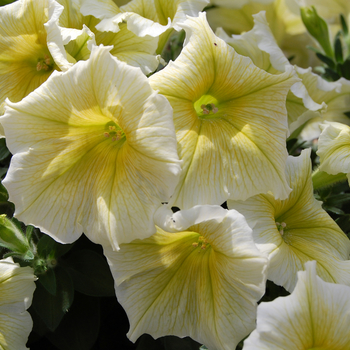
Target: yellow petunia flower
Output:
{"points": [[314, 317], [25, 60], [284, 21], [334, 148], [203, 280], [102, 160], [225, 112], [16, 292], [297, 230]]}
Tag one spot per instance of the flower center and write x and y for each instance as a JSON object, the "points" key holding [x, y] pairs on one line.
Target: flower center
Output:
{"points": [[206, 107], [280, 227], [114, 132], [45, 63], [202, 243]]}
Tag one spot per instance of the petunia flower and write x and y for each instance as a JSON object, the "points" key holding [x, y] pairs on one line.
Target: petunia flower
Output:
{"points": [[25, 60], [202, 280], [16, 292], [334, 94], [314, 317], [260, 45], [94, 151], [153, 17], [284, 21], [297, 230], [78, 33], [334, 148], [225, 112]]}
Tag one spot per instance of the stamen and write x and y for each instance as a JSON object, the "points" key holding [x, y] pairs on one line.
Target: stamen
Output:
{"points": [[45, 63], [202, 243], [280, 227], [210, 107]]}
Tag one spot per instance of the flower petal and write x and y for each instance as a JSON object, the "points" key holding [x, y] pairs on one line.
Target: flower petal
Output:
{"points": [[101, 162], [203, 282], [314, 316], [297, 230], [230, 151]]}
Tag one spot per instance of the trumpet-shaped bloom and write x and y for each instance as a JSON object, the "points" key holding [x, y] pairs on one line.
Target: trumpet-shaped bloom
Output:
{"points": [[334, 94], [260, 45], [16, 292], [25, 60], [334, 149], [225, 111], [202, 280], [297, 230], [285, 24], [77, 33], [151, 17], [100, 161], [315, 316]]}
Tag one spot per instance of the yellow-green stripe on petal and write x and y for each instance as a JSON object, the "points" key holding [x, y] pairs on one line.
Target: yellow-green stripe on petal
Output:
{"points": [[16, 292], [94, 151], [230, 120], [297, 230], [202, 281], [314, 317]]}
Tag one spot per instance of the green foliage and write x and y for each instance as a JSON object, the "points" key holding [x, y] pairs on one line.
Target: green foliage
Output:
{"points": [[336, 57], [52, 308]]}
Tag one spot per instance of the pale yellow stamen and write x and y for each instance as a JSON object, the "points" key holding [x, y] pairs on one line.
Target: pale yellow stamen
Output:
{"points": [[202, 243], [210, 107], [280, 227], [44, 63]]}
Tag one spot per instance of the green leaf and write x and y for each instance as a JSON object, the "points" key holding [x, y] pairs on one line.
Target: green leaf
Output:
{"points": [[333, 209], [50, 308], [6, 2], [48, 280], [79, 328], [4, 152], [344, 26], [90, 273], [3, 193], [344, 68], [331, 75], [327, 60], [338, 50], [344, 223], [3, 171], [46, 246]]}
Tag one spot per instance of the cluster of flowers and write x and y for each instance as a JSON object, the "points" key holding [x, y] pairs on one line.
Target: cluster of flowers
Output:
{"points": [[98, 147]]}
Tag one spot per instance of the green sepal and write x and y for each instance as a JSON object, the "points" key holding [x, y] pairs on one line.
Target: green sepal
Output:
{"points": [[50, 308], [12, 237], [344, 69], [331, 75], [90, 273], [338, 49], [327, 60], [344, 26]]}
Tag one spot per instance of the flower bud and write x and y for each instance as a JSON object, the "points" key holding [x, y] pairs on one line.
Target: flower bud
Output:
{"points": [[317, 27], [12, 238]]}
